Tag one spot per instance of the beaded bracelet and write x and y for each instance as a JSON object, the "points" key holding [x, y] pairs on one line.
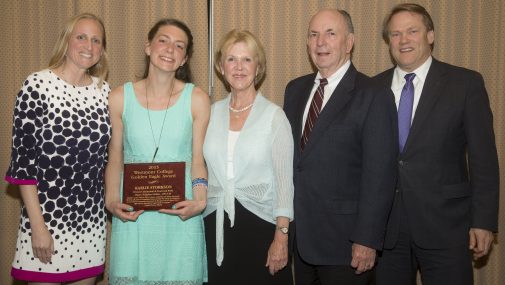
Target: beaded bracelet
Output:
{"points": [[199, 182]]}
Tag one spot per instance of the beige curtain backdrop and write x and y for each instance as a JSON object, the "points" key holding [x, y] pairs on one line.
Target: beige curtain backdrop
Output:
{"points": [[468, 34]]}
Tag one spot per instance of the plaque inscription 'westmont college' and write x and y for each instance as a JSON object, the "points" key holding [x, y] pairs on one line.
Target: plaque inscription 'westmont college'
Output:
{"points": [[153, 186]]}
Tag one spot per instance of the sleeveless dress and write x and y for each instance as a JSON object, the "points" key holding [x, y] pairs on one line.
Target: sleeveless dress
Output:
{"points": [[158, 248]]}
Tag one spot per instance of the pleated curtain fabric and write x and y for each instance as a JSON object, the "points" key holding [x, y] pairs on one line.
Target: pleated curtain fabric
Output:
{"points": [[468, 34]]}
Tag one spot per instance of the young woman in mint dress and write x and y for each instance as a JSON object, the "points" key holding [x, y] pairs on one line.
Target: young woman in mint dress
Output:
{"points": [[161, 117]]}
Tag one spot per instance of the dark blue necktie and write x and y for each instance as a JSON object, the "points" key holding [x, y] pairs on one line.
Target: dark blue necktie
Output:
{"points": [[405, 110]]}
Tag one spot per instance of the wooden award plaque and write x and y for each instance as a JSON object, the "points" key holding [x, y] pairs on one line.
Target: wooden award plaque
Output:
{"points": [[153, 186]]}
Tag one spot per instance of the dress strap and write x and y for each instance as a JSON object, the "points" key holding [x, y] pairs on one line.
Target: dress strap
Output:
{"points": [[128, 95]]}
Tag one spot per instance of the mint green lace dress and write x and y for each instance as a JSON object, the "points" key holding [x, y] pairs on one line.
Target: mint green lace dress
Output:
{"points": [[158, 249]]}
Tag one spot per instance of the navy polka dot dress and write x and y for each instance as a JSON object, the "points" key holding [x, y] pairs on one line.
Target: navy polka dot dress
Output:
{"points": [[59, 144]]}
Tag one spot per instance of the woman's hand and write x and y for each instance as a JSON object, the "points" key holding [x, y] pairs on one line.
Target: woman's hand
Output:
{"points": [[124, 212], [186, 209], [42, 244], [277, 254], [42, 241]]}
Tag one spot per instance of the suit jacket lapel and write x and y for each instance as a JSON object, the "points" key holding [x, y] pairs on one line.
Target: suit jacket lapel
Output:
{"points": [[338, 100], [388, 80], [429, 96], [300, 109]]}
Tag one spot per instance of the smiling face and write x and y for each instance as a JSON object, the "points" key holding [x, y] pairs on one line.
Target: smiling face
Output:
{"points": [[168, 49], [409, 40], [329, 42], [85, 45], [239, 66]]}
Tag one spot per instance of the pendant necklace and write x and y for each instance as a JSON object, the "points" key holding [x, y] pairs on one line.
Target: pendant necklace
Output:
{"points": [[80, 83], [157, 145]]}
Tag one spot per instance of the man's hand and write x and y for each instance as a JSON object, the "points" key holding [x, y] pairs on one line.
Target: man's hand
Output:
{"points": [[480, 242], [363, 258]]}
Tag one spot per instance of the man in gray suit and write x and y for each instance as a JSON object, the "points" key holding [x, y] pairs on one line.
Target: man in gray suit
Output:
{"points": [[446, 203], [344, 161]]}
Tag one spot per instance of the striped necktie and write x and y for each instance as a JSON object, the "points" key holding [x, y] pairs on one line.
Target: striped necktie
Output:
{"points": [[314, 110]]}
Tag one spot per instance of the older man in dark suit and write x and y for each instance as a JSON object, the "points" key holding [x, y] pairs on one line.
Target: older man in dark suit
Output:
{"points": [[344, 162], [446, 203]]}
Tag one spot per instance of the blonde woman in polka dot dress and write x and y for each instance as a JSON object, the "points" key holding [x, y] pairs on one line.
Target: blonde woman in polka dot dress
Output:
{"points": [[61, 130]]}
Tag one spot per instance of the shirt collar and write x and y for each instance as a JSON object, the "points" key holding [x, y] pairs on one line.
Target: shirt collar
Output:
{"points": [[421, 73], [335, 77]]}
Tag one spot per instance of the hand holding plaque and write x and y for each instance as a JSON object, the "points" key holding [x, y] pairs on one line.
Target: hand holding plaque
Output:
{"points": [[153, 186]]}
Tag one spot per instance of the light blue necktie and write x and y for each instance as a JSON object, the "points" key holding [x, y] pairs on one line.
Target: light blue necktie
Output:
{"points": [[405, 110]]}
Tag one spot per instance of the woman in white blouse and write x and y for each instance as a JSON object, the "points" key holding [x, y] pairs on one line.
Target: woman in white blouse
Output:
{"points": [[249, 153]]}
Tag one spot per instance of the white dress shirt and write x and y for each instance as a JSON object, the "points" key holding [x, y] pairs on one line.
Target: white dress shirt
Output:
{"points": [[333, 81], [399, 81]]}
